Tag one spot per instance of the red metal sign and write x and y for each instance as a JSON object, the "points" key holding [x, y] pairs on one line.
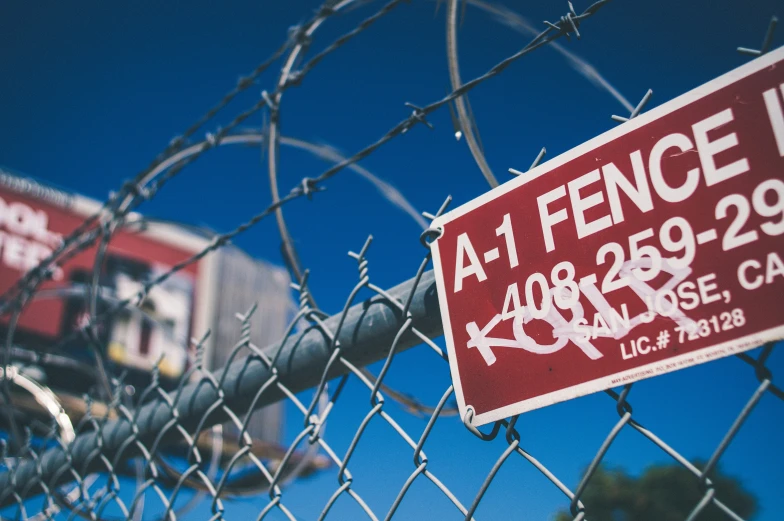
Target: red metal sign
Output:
{"points": [[655, 246]]}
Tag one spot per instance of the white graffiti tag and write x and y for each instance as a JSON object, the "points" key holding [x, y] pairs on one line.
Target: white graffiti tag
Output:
{"points": [[659, 302]]}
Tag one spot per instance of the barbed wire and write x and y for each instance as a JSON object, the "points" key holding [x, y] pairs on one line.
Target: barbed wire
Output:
{"points": [[135, 187], [85, 476], [308, 185]]}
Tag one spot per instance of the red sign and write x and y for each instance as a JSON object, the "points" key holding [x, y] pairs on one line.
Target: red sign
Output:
{"points": [[33, 223], [653, 247]]}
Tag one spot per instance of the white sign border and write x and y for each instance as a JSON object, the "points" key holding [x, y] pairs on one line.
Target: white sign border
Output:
{"points": [[633, 375]]}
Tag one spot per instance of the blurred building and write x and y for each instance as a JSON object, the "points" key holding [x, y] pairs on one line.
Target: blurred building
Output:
{"points": [[243, 282], [208, 294]]}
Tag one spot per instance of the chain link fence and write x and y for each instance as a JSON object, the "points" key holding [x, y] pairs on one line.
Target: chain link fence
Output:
{"points": [[155, 460]]}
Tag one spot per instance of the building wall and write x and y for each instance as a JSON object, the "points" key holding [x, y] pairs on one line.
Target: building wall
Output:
{"points": [[243, 282]]}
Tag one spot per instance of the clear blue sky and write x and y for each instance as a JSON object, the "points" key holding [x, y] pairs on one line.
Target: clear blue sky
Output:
{"points": [[91, 91]]}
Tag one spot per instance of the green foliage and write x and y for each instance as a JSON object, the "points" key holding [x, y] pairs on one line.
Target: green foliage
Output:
{"points": [[661, 493]]}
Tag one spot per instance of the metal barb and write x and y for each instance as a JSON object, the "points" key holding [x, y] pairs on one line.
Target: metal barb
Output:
{"points": [[361, 255], [766, 42], [273, 106], [567, 24], [418, 114], [536, 162], [541, 153], [636, 112]]}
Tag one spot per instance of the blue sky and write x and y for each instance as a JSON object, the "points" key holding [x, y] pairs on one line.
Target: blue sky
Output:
{"points": [[92, 91]]}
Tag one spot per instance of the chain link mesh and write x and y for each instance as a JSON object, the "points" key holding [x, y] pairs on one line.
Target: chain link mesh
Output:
{"points": [[113, 463]]}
